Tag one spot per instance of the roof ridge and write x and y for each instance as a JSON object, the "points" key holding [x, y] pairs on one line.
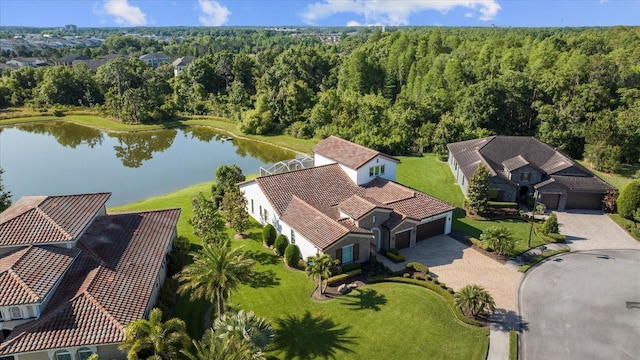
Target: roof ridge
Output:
{"points": [[319, 212], [22, 283], [53, 223]]}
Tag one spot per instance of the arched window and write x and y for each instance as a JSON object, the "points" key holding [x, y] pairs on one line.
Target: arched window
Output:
{"points": [[16, 313], [84, 353], [63, 355]]}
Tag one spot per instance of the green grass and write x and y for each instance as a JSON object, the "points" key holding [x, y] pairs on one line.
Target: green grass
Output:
{"points": [[431, 176], [89, 120], [539, 258], [627, 225], [619, 179], [513, 345], [378, 321]]}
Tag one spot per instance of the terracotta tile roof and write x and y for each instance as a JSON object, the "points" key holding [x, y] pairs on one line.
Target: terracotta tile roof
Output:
{"points": [[41, 220], [108, 286], [420, 206], [356, 206], [27, 275], [327, 185], [321, 230], [347, 153], [386, 191]]}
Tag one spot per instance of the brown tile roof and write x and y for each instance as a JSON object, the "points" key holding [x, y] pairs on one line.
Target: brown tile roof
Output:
{"points": [[327, 185], [347, 153], [386, 191], [27, 275], [315, 226], [108, 286], [420, 206], [51, 219], [356, 206]]}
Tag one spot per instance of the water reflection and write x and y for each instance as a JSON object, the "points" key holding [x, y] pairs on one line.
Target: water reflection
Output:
{"points": [[137, 147], [67, 134]]}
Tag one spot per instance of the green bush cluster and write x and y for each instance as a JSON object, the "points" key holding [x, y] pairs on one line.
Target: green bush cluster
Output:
{"points": [[167, 297], [550, 225], [292, 255], [395, 256], [629, 200], [341, 277], [281, 244], [416, 266], [178, 255], [479, 243], [350, 267], [269, 234], [502, 205]]}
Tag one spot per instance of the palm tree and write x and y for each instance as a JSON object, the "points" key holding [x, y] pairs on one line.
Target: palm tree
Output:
{"points": [[216, 270], [161, 340], [474, 299], [214, 347], [255, 331], [319, 268]]}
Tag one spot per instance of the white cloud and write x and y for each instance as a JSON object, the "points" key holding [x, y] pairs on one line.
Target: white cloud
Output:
{"points": [[123, 12], [396, 12], [212, 13], [353, 23]]}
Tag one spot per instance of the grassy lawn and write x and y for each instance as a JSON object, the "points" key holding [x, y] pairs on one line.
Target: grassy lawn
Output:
{"points": [[431, 176], [375, 322], [629, 226], [619, 179]]}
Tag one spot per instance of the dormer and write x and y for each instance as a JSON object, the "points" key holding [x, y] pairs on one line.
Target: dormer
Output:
{"points": [[361, 164]]}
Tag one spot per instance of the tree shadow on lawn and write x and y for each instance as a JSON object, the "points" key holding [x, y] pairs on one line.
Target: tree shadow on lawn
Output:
{"points": [[364, 299], [263, 258], [309, 337], [265, 278]]}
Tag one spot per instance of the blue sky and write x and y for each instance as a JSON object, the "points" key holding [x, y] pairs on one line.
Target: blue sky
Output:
{"points": [[516, 13]]}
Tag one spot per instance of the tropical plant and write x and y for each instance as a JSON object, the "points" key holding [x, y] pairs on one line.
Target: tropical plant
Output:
{"points": [[478, 190], [5, 196], [217, 269], [213, 347], [629, 200], [154, 339], [474, 299], [281, 244], [269, 235], [550, 225], [245, 326], [319, 268], [206, 221], [499, 238]]}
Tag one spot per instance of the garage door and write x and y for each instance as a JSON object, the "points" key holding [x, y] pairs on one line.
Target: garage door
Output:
{"points": [[402, 239], [431, 229], [584, 201], [550, 200]]}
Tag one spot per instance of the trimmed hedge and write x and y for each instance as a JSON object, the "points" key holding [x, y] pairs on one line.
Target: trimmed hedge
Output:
{"points": [[350, 267], [269, 234], [418, 267], [281, 244], [444, 293], [513, 345], [292, 255], [503, 205], [479, 243], [338, 278], [395, 256]]}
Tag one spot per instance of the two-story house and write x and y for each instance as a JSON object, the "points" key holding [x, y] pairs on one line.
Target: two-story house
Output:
{"points": [[72, 276], [155, 59], [521, 165], [347, 205], [180, 64]]}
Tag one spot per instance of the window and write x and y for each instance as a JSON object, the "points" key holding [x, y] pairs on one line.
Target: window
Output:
{"points": [[525, 176], [376, 170], [347, 254], [84, 353], [381, 169], [63, 355], [373, 220], [293, 237], [260, 208], [266, 215], [252, 207], [16, 313]]}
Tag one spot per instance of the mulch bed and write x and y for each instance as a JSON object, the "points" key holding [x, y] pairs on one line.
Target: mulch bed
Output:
{"points": [[331, 292]]}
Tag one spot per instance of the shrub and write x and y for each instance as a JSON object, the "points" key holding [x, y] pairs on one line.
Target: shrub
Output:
{"points": [[269, 235], [281, 244], [557, 238], [629, 200], [350, 267], [406, 275], [479, 243], [292, 255], [499, 239], [396, 258], [550, 225], [503, 205], [338, 278], [178, 256], [418, 267]]}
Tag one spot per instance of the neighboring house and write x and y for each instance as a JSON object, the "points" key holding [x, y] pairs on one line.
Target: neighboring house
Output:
{"points": [[94, 64], [181, 63], [72, 276], [155, 59], [26, 61], [524, 165], [4, 67], [348, 205], [69, 59]]}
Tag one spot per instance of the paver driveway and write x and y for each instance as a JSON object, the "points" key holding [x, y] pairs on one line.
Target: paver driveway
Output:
{"points": [[583, 305], [457, 265], [593, 230]]}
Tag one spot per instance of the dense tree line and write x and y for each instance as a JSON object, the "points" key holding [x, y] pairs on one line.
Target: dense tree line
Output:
{"points": [[410, 90]]}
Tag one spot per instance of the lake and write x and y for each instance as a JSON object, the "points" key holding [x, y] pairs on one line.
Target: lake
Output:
{"points": [[56, 158]]}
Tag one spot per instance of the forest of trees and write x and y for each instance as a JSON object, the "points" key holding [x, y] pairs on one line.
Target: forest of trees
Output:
{"points": [[406, 91]]}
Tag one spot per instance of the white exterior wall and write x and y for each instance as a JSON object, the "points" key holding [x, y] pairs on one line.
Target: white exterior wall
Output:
{"points": [[306, 247], [457, 173], [389, 170], [253, 192], [319, 160]]}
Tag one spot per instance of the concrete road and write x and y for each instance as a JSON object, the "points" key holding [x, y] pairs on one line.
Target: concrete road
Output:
{"points": [[583, 305]]}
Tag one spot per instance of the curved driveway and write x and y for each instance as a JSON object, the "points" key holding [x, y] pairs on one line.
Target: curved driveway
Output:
{"points": [[583, 305]]}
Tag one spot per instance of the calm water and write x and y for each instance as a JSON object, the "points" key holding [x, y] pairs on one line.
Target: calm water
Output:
{"points": [[65, 158]]}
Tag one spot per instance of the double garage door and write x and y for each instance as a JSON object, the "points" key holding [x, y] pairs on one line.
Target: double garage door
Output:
{"points": [[574, 201], [423, 231]]}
